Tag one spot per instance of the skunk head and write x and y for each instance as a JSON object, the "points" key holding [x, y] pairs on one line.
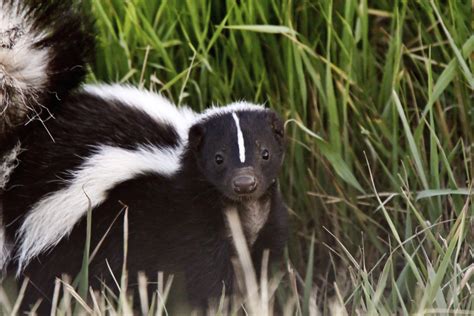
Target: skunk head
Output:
{"points": [[239, 149]]}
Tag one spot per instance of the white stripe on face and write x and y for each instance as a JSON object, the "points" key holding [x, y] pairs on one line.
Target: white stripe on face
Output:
{"points": [[240, 138]]}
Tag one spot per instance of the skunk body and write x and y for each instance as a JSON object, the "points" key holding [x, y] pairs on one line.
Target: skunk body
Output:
{"points": [[175, 171], [114, 148]]}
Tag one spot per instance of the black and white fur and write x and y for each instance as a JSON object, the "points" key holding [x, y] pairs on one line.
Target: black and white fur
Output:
{"points": [[176, 171], [44, 47]]}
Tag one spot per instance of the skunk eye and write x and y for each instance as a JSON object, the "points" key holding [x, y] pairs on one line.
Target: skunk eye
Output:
{"points": [[265, 154], [219, 159]]}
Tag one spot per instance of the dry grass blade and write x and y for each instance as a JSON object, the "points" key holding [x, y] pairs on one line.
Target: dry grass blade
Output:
{"points": [[5, 304], [69, 289], [245, 260], [143, 292], [19, 298], [54, 304]]}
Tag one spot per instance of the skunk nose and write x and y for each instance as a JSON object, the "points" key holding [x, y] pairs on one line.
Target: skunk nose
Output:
{"points": [[244, 184]]}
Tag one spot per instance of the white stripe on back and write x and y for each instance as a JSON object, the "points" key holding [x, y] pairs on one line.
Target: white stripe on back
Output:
{"points": [[153, 104], [240, 138], [230, 108], [54, 216]]}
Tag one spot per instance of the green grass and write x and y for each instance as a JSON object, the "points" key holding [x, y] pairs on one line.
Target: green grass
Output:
{"points": [[378, 98]]}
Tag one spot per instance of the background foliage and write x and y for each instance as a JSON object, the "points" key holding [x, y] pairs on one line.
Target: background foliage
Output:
{"points": [[378, 98]]}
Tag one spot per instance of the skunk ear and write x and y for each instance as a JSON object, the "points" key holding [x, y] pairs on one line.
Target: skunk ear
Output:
{"points": [[277, 126], [196, 135]]}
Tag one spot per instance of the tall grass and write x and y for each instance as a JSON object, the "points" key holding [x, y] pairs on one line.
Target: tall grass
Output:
{"points": [[378, 102]]}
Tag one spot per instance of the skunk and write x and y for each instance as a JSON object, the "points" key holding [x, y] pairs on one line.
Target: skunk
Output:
{"points": [[177, 172]]}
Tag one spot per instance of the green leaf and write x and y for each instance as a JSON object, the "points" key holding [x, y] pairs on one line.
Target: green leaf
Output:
{"points": [[272, 29], [442, 192]]}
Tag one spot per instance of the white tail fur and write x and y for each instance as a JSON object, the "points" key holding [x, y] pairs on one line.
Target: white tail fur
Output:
{"points": [[22, 64]]}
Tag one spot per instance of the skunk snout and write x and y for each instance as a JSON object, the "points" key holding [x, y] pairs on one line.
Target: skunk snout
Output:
{"points": [[244, 182]]}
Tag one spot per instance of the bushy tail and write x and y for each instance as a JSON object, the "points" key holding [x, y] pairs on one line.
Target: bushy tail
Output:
{"points": [[45, 46]]}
